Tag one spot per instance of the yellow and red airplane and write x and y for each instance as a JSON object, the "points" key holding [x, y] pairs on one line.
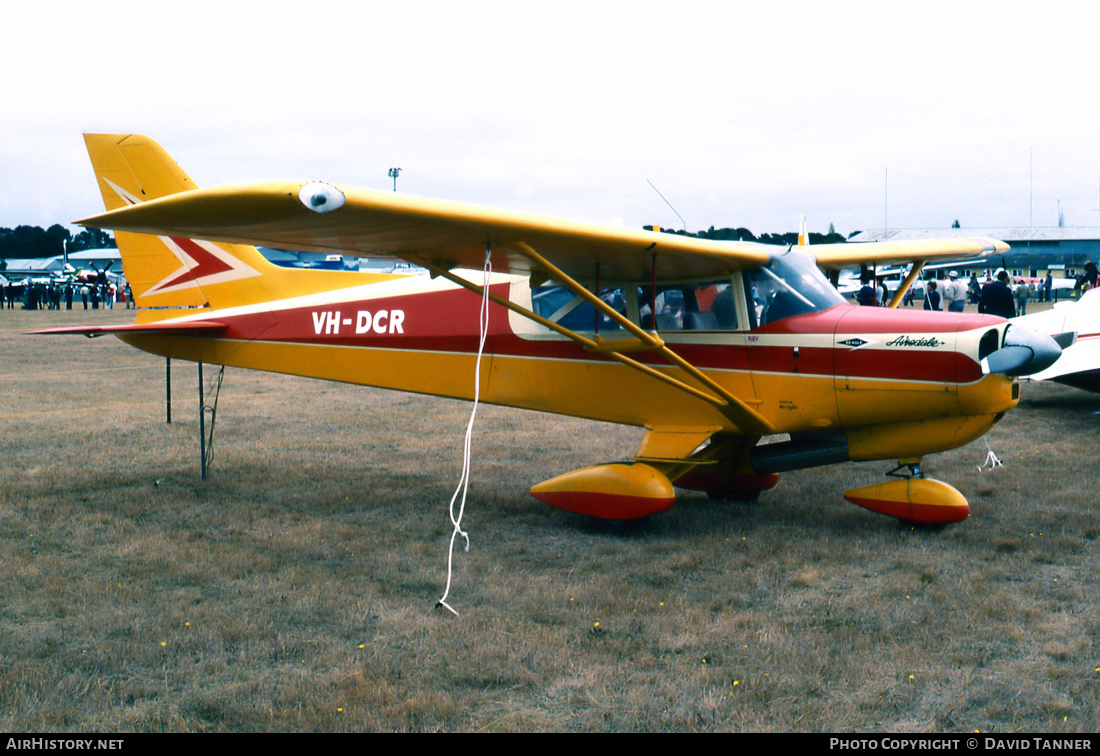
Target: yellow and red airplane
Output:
{"points": [[708, 346]]}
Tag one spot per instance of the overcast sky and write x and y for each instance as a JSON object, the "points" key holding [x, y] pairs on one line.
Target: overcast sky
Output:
{"points": [[740, 114]]}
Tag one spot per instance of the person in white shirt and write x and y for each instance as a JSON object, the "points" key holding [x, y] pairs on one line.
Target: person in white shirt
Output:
{"points": [[954, 293]]}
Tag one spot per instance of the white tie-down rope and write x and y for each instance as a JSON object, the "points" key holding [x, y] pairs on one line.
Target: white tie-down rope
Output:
{"points": [[990, 459], [464, 481]]}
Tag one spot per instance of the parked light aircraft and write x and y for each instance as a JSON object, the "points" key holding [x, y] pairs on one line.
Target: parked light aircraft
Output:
{"points": [[70, 275], [708, 346], [95, 276], [1079, 365]]}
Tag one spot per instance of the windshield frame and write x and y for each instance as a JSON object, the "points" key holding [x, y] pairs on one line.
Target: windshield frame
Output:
{"points": [[789, 284]]}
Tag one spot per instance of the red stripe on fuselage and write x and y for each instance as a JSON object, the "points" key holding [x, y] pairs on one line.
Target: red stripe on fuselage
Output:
{"points": [[447, 321]]}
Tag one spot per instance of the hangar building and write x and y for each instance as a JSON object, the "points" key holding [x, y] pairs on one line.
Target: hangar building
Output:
{"points": [[1063, 251]]}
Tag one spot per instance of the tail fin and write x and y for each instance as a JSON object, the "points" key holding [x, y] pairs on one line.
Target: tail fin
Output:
{"points": [[164, 272], [167, 272]]}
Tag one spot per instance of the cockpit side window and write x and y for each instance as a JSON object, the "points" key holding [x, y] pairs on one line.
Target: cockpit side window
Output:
{"points": [[691, 306]]}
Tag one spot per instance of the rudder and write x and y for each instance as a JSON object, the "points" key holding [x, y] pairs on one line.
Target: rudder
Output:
{"points": [[167, 272]]}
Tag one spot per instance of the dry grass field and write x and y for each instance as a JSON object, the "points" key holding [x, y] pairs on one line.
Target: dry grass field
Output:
{"points": [[295, 589]]}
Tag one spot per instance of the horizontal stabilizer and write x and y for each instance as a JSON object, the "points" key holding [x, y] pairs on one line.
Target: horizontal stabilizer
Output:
{"points": [[177, 329]]}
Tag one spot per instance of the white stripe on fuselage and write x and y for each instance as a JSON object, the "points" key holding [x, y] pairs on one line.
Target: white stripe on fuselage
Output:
{"points": [[413, 284]]}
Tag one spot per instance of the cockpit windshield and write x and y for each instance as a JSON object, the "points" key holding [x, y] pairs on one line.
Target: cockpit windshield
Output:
{"points": [[791, 284]]}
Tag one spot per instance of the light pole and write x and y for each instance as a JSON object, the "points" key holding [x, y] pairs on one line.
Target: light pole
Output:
{"points": [[393, 175]]}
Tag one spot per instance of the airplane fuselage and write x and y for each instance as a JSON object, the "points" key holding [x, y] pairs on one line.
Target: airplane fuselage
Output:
{"points": [[891, 380]]}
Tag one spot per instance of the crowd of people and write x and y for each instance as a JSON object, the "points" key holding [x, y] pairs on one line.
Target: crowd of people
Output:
{"points": [[55, 296], [996, 295]]}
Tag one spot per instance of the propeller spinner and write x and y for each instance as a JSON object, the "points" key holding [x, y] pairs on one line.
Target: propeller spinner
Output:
{"points": [[1024, 352]]}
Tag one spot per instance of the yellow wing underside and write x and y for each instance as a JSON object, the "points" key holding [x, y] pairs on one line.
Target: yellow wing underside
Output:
{"points": [[455, 235], [838, 256], [446, 234]]}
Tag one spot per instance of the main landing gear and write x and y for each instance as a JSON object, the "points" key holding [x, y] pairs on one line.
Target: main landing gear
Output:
{"points": [[633, 490], [913, 497]]}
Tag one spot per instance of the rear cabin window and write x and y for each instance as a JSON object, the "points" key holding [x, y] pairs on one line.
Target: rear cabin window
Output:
{"points": [[559, 305], [707, 306], [695, 306]]}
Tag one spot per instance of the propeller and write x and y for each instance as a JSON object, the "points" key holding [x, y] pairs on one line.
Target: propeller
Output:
{"points": [[1024, 352], [101, 275]]}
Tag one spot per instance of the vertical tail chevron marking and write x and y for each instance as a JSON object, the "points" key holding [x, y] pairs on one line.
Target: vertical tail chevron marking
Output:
{"points": [[201, 262]]}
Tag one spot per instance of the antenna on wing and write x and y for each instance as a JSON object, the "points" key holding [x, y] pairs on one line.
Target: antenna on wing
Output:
{"points": [[669, 204]]}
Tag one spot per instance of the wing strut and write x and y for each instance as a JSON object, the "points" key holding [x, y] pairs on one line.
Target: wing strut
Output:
{"points": [[746, 418], [909, 279]]}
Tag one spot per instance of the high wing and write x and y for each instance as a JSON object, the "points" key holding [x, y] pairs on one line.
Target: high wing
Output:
{"points": [[834, 257], [444, 235], [323, 218], [317, 217], [838, 256]]}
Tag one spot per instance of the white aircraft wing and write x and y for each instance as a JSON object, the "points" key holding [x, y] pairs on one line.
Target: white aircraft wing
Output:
{"points": [[1079, 364]]}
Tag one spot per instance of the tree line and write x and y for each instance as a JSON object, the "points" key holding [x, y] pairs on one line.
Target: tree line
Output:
{"points": [[743, 234], [34, 242]]}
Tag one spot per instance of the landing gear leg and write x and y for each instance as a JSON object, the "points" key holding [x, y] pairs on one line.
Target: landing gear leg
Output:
{"points": [[911, 467]]}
